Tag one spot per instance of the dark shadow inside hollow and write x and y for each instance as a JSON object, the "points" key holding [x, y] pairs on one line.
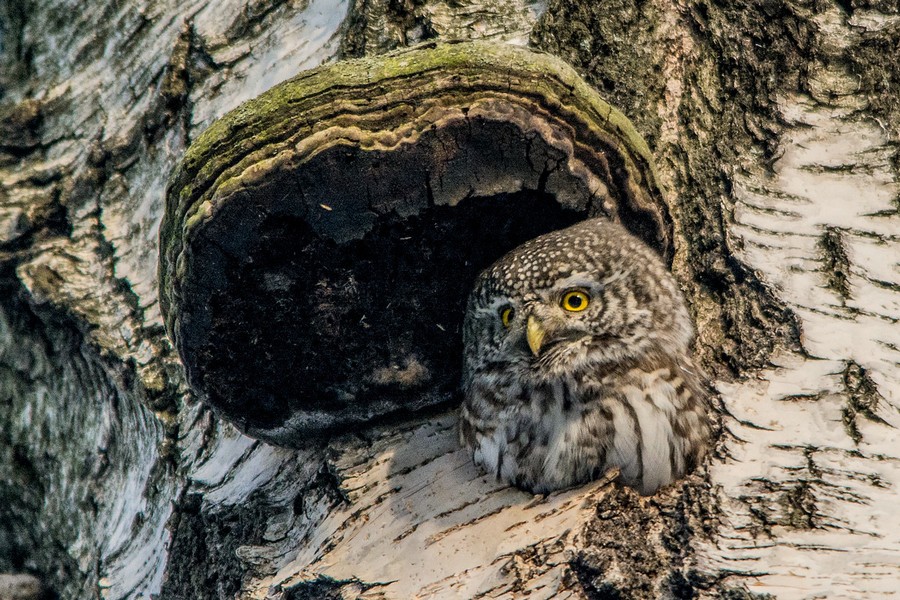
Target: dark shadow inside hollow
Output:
{"points": [[366, 329]]}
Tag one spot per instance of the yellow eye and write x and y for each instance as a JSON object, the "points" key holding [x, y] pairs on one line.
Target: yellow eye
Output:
{"points": [[506, 315], [575, 301]]}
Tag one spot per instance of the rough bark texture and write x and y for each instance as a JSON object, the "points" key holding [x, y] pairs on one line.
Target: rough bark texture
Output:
{"points": [[774, 128], [319, 242]]}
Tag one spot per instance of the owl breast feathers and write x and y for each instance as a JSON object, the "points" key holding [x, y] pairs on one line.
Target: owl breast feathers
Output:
{"points": [[577, 360]]}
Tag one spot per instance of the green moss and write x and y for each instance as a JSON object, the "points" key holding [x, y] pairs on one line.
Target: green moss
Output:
{"points": [[424, 140], [269, 126], [258, 118]]}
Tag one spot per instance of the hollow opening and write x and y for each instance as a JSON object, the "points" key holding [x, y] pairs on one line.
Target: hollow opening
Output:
{"points": [[365, 329]]}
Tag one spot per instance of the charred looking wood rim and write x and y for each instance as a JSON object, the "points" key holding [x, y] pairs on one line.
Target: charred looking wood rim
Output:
{"points": [[319, 241]]}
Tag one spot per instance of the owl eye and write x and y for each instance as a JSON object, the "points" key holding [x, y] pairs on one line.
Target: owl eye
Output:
{"points": [[575, 301], [506, 315]]}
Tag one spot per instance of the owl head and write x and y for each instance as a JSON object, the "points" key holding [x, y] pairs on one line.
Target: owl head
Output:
{"points": [[588, 297]]}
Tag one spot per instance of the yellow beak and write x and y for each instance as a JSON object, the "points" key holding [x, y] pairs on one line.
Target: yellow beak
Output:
{"points": [[535, 333]]}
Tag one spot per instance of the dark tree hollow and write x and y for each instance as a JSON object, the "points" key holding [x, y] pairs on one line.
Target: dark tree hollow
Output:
{"points": [[319, 241]]}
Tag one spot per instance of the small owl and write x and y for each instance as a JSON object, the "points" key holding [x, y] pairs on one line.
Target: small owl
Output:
{"points": [[577, 360]]}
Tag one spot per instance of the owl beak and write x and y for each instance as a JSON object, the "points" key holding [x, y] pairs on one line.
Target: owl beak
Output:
{"points": [[535, 334]]}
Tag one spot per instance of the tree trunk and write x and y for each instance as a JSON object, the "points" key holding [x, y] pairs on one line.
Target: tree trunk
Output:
{"points": [[774, 127]]}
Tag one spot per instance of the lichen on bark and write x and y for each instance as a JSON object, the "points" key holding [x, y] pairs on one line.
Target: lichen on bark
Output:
{"points": [[99, 103], [287, 219], [674, 69]]}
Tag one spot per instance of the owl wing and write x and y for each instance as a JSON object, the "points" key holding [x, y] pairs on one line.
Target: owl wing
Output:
{"points": [[656, 419], [489, 425], [693, 419]]}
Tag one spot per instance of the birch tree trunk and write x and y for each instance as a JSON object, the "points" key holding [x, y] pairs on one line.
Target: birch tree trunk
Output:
{"points": [[775, 130]]}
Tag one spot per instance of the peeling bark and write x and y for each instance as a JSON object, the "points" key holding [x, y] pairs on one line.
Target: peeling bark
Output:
{"points": [[774, 129]]}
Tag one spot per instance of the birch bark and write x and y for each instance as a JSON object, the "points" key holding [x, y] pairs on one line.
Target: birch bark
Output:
{"points": [[775, 129]]}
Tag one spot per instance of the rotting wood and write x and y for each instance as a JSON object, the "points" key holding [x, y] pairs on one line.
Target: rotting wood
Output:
{"points": [[337, 220], [732, 98]]}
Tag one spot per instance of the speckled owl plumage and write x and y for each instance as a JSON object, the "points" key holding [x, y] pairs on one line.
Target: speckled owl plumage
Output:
{"points": [[555, 397]]}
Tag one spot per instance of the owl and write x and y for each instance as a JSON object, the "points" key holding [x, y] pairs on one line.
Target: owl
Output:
{"points": [[577, 360]]}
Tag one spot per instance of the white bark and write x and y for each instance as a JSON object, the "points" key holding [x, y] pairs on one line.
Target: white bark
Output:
{"points": [[810, 512], [99, 420]]}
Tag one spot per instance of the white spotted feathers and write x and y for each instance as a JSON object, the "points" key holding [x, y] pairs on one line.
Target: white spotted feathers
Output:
{"points": [[577, 360]]}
